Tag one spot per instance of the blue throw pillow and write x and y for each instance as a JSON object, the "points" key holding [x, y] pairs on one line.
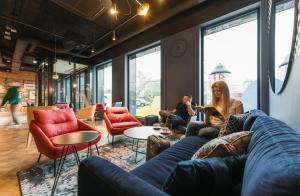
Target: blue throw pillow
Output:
{"points": [[209, 176], [235, 123]]}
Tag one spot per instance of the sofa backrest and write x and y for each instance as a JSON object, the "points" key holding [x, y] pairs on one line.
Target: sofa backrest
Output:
{"points": [[118, 114], [273, 163], [56, 122]]}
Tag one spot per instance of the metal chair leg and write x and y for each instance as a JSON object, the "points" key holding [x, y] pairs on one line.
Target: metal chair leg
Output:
{"points": [[54, 167], [97, 149], [39, 158]]}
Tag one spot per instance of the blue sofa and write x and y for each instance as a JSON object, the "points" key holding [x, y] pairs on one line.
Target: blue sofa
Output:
{"points": [[272, 166]]}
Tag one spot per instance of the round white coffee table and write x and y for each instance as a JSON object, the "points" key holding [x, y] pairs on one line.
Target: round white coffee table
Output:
{"points": [[140, 133]]}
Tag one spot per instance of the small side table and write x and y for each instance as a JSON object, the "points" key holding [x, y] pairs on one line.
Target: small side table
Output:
{"points": [[70, 140]]}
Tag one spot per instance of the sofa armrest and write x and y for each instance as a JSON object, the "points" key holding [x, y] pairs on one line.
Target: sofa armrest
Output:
{"points": [[97, 176]]}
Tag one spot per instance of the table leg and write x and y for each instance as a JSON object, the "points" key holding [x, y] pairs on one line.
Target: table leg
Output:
{"points": [[91, 151], [76, 154], [132, 144], [59, 169], [137, 149]]}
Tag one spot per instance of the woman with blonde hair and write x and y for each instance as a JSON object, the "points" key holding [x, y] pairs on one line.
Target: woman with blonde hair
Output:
{"points": [[225, 105]]}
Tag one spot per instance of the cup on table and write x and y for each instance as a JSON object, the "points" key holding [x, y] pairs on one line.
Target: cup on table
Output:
{"points": [[156, 126]]}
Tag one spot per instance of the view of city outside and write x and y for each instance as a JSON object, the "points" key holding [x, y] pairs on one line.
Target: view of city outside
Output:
{"points": [[104, 84], [284, 26], [227, 47], [144, 79]]}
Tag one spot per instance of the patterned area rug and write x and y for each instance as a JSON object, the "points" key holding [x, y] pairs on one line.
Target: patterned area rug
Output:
{"points": [[39, 179]]}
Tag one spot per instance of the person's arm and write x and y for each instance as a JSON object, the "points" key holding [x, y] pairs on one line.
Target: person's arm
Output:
{"points": [[239, 108], [190, 109], [5, 98]]}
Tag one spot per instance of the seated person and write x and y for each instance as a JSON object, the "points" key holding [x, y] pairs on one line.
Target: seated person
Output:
{"points": [[180, 115], [224, 105]]}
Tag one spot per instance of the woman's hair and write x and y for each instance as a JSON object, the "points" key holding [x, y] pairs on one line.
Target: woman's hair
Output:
{"points": [[224, 101]]}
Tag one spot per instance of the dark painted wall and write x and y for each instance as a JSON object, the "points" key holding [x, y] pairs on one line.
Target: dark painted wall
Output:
{"points": [[180, 67], [118, 79]]}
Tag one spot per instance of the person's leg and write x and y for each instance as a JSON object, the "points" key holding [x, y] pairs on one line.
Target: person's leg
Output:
{"points": [[164, 115], [194, 127], [13, 109], [175, 121]]}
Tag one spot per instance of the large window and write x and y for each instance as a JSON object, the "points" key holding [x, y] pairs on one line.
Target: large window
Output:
{"points": [[230, 54], [67, 83], [104, 84], [144, 79]]}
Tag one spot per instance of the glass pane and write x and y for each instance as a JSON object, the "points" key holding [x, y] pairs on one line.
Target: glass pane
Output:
{"points": [[104, 84], [82, 97], [144, 79], [231, 56], [67, 90], [284, 26]]}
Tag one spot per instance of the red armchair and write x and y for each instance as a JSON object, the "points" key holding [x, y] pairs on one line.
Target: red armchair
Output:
{"points": [[118, 119], [51, 123]]}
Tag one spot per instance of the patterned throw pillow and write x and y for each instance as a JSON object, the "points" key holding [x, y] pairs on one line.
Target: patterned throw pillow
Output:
{"points": [[234, 124], [232, 144]]}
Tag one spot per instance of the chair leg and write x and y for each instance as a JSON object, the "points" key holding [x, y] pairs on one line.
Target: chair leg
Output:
{"points": [[39, 158], [97, 149], [54, 167], [112, 141], [28, 139]]}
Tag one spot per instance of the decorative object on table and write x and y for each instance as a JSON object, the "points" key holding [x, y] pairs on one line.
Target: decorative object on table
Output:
{"points": [[232, 144], [211, 176], [118, 119], [38, 180]]}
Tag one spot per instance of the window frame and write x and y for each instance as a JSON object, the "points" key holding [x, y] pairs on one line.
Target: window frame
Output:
{"points": [[100, 66], [128, 58], [224, 20]]}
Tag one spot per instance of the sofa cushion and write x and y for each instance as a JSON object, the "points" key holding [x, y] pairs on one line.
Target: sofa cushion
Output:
{"points": [[156, 170], [251, 118], [125, 124], [116, 118], [232, 144], [273, 164], [209, 176], [234, 124], [56, 122]]}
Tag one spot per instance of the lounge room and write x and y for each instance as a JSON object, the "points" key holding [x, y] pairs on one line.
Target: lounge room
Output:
{"points": [[140, 97]]}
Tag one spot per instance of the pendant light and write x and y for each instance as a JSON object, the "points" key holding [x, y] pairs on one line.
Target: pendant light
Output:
{"points": [[55, 76]]}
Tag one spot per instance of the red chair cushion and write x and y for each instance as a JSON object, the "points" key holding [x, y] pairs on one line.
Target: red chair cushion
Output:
{"points": [[125, 124], [116, 110], [116, 118], [56, 122]]}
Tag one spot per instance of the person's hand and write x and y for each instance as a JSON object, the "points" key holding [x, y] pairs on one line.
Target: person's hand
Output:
{"points": [[188, 103]]}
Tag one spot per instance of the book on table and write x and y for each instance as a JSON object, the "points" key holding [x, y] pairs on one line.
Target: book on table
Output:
{"points": [[210, 109]]}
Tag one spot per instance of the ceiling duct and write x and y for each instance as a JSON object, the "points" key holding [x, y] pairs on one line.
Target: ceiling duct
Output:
{"points": [[88, 9], [22, 45]]}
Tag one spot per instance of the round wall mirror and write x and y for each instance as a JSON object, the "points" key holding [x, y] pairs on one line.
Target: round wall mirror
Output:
{"points": [[284, 17]]}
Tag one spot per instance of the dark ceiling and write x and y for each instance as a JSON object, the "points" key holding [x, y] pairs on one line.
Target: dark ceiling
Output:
{"points": [[78, 25]]}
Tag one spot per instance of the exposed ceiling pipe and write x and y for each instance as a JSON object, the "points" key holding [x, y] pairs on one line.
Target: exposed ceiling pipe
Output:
{"points": [[166, 15], [18, 54]]}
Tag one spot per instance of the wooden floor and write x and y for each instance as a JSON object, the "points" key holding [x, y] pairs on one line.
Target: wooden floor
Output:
{"points": [[14, 156]]}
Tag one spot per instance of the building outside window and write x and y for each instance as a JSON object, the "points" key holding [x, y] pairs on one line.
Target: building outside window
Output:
{"points": [[144, 76], [230, 53]]}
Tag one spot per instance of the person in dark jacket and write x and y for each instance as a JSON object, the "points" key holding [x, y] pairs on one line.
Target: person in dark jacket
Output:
{"points": [[181, 115], [13, 98]]}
